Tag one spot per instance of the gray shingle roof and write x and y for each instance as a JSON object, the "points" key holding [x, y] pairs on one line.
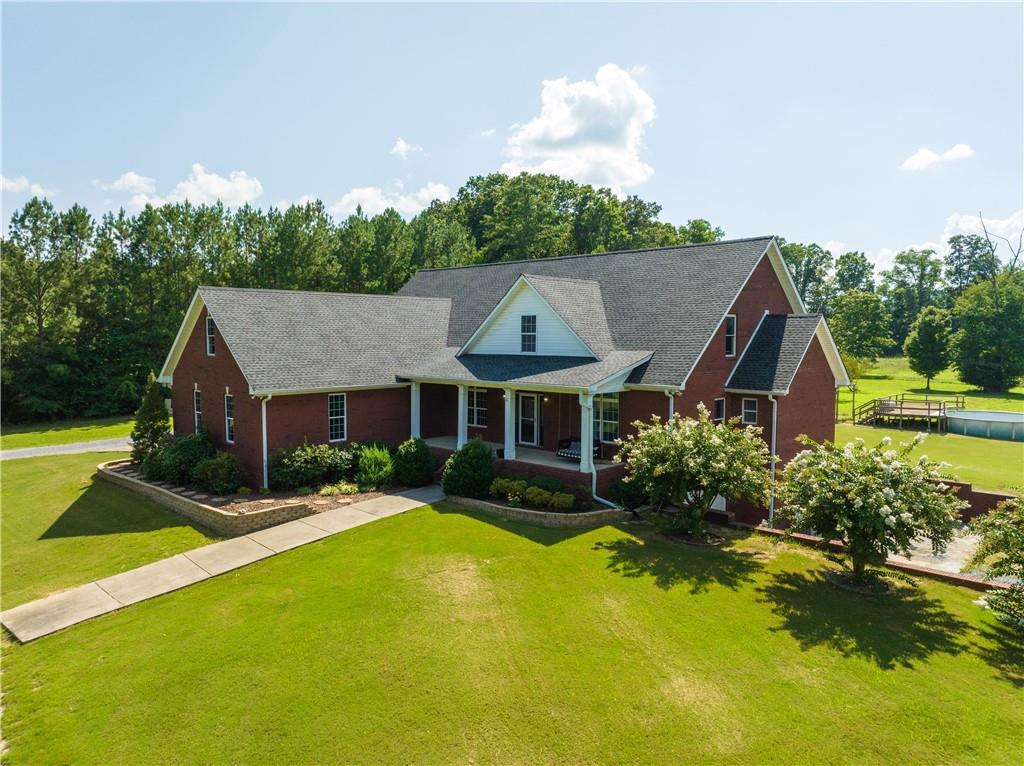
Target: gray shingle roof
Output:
{"points": [[533, 370], [668, 300], [579, 303], [292, 340], [773, 355]]}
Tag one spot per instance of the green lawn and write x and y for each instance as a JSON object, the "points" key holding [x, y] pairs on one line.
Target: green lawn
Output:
{"points": [[892, 375], [64, 431], [437, 636], [988, 463], [61, 528]]}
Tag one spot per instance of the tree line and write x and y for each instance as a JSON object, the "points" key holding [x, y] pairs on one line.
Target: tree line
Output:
{"points": [[90, 305]]}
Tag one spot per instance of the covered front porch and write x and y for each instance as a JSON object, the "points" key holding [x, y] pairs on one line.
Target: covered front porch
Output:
{"points": [[525, 455]]}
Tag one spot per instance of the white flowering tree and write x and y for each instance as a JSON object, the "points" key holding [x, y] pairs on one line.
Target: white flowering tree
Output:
{"points": [[1000, 553], [870, 498], [686, 463]]}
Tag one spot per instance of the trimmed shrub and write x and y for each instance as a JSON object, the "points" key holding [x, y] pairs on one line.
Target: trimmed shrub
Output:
{"points": [[151, 421], [375, 468], [175, 459], [244, 490], [549, 483], [218, 474], [340, 488], [309, 465], [537, 497], [414, 463], [304, 491], [628, 494], [469, 471], [562, 502]]}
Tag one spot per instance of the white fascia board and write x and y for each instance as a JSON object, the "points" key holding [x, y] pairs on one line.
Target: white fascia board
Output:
{"points": [[323, 389], [616, 381], [750, 392], [195, 308], [516, 385], [785, 277], [835, 359]]}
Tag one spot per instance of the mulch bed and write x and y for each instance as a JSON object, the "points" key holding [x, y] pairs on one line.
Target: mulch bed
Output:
{"points": [[872, 586]]}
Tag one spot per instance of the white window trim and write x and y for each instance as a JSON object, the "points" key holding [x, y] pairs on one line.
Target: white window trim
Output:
{"points": [[210, 337], [599, 419], [523, 335], [473, 411], [743, 412], [735, 334], [343, 416], [715, 407], [229, 433], [197, 412]]}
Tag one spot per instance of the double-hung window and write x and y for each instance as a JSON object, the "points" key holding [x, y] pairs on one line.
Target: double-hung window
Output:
{"points": [[730, 335], [211, 341], [197, 410], [229, 418], [718, 415], [336, 417], [606, 417], [528, 333], [478, 407], [749, 412]]}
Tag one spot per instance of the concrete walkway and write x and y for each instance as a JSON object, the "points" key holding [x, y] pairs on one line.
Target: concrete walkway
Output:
{"points": [[61, 610], [121, 443]]}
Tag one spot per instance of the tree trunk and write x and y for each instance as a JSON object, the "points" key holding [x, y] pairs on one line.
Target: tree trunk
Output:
{"points": [[858, 564], [928, 384]]}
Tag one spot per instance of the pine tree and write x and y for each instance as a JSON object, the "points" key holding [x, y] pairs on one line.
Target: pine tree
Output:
{"points": [[151, 421]]}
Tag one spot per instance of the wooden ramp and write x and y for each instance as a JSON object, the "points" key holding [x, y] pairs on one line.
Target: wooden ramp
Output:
{"points": [[908, 411]]}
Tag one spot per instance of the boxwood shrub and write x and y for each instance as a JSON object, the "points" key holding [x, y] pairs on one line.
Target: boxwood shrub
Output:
{"points": [[469, 471], [175, 458], [218, 474], [309, 465], [414, 463]]}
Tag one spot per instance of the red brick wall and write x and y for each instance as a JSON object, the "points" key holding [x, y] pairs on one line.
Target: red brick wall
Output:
{"points": [[214, 374], [809, 408]]}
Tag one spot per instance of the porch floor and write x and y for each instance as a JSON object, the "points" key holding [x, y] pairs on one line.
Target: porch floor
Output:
{"points": [[524, 454]]}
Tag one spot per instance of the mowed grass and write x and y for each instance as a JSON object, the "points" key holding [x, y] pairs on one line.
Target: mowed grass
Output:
{"points": [[64, 431], [438, 636], [988, 463], [892, 375], [62, 527]]}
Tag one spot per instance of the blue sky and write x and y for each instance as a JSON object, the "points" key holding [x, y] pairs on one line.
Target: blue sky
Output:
{"points": [[803, 120]]}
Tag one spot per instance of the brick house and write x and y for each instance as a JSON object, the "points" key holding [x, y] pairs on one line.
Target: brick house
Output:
{"points": [[549, 360]]}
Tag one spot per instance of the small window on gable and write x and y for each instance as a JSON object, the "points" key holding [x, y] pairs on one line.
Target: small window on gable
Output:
{"points": [[197, 410], [718, 415], [211, 343], [336, 417], [528, 333], [478, 407], [229, 418], [730, 335], [749, 412]]}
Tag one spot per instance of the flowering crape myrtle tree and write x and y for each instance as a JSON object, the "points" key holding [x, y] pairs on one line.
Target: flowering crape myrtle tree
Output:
{"points": [[870, 498], [1000, 553], [687, 463]]}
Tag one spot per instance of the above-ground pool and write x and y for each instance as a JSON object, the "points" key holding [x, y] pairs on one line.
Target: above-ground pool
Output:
{"points": [[990, 424]]}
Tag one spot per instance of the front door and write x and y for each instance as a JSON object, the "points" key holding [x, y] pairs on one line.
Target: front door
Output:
{"points": [[529, 405]]}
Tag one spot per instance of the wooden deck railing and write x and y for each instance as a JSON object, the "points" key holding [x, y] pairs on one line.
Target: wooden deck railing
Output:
{"points": [[894, 410]]}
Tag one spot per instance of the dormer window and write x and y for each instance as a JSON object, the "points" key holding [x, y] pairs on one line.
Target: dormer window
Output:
{"points": [[528, 333], [211, 346], [730, 335]]}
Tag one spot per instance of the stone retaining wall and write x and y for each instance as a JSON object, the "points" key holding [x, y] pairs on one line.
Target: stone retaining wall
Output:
{"points": [[220, 521], [546, 518]]}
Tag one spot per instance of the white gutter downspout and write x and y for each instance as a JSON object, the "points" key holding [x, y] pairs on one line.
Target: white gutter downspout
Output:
{"points": [[775, 421], [263, 423]]}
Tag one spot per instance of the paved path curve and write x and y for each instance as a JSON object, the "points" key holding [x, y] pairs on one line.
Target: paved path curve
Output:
{"points": [[70, 607], [122, 443]]}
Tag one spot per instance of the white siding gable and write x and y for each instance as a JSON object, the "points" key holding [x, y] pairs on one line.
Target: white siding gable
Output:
{"points": [[501, 331]]}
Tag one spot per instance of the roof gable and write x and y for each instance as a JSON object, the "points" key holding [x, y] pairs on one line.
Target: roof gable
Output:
{"points": [[500, 331]]}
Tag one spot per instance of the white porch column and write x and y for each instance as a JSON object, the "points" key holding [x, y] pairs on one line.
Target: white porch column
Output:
{"points": [[414, 410], [586, 433], [510, 424], [463, 430]]}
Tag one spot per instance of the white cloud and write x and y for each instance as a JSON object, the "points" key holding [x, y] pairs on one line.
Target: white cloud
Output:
{"points": [[591, 131], [403, 148], [488, 133], [22, 184], [305, 199], [925, 157], [835, 247], [201, 187], [959, 223], [375, 200]]}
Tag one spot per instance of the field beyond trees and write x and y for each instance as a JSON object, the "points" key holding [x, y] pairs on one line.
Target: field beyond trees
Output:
{"points": [[439, 636]]}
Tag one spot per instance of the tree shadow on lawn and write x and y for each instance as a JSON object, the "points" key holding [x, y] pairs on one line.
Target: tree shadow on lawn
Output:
{"points": [[670, 563], [543, 535], [896, 629], [1004, 650], [105, 509]]}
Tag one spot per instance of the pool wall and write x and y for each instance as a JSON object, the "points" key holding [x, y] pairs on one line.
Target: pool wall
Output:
{"points": [[986, 424]]}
